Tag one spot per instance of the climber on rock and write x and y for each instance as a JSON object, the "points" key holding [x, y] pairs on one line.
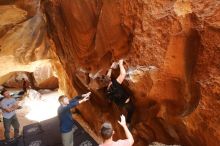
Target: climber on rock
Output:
{"points": [[65, 116], [116, 93]]}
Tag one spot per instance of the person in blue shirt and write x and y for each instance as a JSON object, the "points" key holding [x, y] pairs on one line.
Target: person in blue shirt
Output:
{"points": [[65, 116], [9, 105]]}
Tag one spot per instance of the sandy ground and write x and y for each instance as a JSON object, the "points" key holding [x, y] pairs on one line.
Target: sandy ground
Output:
{"points": [[39, 110]]}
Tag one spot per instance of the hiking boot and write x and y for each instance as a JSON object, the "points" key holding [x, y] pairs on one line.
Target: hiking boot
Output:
{"points": [[12, 140], [17, 137], [9, 141]]}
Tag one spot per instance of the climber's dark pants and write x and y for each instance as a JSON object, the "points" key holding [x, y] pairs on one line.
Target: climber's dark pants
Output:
{"points": [[129, 107]]}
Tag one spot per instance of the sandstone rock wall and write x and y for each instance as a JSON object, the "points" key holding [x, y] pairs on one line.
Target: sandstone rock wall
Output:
{"points": [[176, 103], [171, 51], [44, 77], [23, 37], [24, 43]]}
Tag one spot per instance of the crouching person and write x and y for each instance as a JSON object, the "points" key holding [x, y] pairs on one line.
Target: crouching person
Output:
{"points": [[65, 116], [107, 134]]}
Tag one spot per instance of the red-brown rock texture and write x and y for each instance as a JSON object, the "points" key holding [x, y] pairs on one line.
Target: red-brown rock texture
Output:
{"points": [[16, 80], [24, 45], [176, 103], [43, 77], [171, 51]]}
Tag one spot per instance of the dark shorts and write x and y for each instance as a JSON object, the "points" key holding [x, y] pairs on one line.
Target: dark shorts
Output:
{"points": [[117, 93]]}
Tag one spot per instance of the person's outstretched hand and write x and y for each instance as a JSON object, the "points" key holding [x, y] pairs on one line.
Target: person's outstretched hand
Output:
{"points": [[123, 121], [86, 98], [86, 95]]}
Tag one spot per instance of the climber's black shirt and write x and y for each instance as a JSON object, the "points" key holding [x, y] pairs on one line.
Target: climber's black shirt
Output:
{"points": [[117, 93]]}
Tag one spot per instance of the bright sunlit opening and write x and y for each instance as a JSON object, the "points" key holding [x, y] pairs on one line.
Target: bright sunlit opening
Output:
{"points": [[42, 107]]}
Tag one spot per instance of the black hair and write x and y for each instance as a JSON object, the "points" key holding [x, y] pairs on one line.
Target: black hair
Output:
{"points": [[60, 99], [3, 91]]}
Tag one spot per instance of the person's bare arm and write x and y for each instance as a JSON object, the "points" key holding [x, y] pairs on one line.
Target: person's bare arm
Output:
{"points": [[5, 109], [127, 132], [85, 97], [122, 75], [109, 72], [113, 66], [8, 110], [14, 107]]}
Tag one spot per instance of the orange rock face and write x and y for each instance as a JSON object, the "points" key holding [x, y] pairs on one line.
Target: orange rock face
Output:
{"points": [[171, 51], [44, 77], [176, 103], [24, 45]]}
